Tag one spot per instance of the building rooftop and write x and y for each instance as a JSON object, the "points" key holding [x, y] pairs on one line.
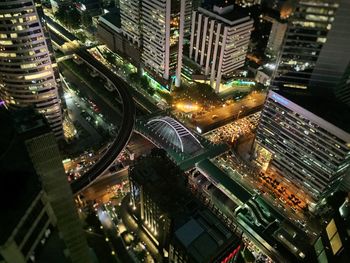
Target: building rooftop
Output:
{"points": [[203, 235], [19, 183], [113, 17], [163, 181], [227, 13], [325, 107]]}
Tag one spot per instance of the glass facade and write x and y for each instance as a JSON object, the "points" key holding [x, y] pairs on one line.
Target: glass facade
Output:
{"points": [[306, 34]]}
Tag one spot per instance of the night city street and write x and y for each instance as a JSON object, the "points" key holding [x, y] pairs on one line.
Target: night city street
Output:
{"points": [[175, 131]]}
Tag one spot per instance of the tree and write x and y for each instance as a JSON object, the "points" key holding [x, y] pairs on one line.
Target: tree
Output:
{"points": [[150, 91], [61, 15], [166, 96], [69, 17], [86, 19], [81, 36], [144, 83], [73, 18], [109, 57]]}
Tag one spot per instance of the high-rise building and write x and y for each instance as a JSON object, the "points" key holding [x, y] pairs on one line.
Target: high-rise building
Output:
{"points": [[110, 32], [219, 41], [158, 28], [203, 238], [162, 38], [44, 153], [333, 243], [306, 140], [190, 6], [130, 11], [276, 37], [27, 218], [316, 49], [37, 206], [178, 225], [28, 71]]}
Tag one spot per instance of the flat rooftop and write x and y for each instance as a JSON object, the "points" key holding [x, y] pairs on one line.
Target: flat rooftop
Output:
{"points": [[203, 235], [163, 181], [19, 183], [234, 14], [325, 107], [113, 17]]}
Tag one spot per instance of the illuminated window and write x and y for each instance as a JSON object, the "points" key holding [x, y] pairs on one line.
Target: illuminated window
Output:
{"points": [[6, 55], [32, 18], [31, 65], [6, 42], [331, 229], [336, 243], [321, 40], [37, 76]]}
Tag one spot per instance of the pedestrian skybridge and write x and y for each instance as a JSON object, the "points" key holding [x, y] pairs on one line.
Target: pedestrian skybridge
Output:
{"points": [[174, 134]]}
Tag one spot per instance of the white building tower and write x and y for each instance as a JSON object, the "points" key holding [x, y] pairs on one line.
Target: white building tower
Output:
{"points": [[219, 41]]}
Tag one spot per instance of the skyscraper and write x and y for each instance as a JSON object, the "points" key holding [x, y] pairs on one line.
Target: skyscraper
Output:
{"points": [[219, 41], [27, 219], [130, 20], [162, 36], [316, 49], [41, 198], [276, 37], [306, 140], [47, 161], [175, 221], [157, 28], [28, 72]]}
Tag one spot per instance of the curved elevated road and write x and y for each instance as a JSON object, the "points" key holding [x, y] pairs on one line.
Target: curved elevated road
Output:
{"points": [[121, 91], [125, 131]]}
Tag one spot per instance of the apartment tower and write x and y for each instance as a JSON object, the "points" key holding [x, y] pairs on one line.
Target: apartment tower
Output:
{"points": [[219, 41], [307, 144], [130, 20], [162, 28], [28, 72]]}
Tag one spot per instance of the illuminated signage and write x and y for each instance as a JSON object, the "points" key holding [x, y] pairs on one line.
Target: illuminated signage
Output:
{"points": [[231, 255], [280, 99]]}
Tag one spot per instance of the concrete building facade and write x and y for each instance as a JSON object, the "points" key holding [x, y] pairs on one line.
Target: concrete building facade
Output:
{"points": [[47, 161], [163, 25], [309, 149], [109, 31], [34, 227], [130, 13], [219, 42]]}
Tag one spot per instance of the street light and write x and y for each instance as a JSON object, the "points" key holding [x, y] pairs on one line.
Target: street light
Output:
{"points": [[240, 111]]}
